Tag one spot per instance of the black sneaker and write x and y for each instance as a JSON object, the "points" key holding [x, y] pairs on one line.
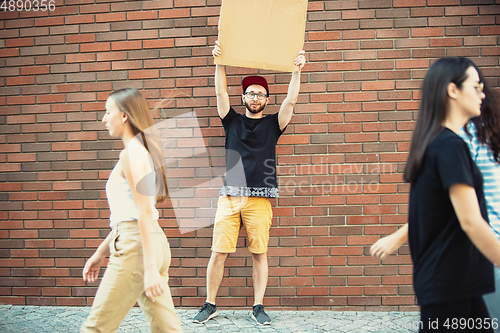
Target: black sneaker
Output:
{"points": [[207, 312], [260, 315]]}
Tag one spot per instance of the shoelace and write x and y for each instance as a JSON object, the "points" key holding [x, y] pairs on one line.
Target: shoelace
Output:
{"points": [[203, 307]]}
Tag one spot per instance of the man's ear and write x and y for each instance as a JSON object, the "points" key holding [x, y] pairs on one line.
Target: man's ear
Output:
{"points": [[452, 90], [243, 99]]}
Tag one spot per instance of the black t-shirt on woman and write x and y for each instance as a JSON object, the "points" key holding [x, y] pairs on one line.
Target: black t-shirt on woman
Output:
{"points": [[447, 266]]}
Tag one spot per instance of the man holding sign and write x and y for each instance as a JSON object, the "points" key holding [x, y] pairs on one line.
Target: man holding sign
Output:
{"points": [[250, 140]]}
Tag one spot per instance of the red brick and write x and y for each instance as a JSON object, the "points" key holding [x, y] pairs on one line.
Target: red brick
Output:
{"points": [[95, 47], [26, 291], [23, 80], [324, 36], [444, 21], [144, 74], [174, 13], [427, 32], [358, 14], [297, 301], [110, 17], [10, 53], [80, 38], [364, 300], [143, 15], [126, 45], [20, 42], [346, 291], [443, 2], [445, 42], [483, 40], [78, 58], [489, 30], [368, 34], [409, 3], [47, 21], [483, 20], [161, 43], [397, 280], [490, 51]]}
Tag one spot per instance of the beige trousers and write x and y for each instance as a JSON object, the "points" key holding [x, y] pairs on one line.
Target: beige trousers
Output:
{"points": [[123, 284]]}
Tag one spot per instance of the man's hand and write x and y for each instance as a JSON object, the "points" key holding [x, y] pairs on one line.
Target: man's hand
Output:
{"points": [[286, 110], [216, 51], [300, 61], [223, 105]]}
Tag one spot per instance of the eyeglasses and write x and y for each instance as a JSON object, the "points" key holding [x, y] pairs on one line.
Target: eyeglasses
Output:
{"points": [[479, 87], [251, 95]]}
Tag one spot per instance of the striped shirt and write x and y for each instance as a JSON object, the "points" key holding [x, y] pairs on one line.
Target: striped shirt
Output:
{"points": [[490, 169]]}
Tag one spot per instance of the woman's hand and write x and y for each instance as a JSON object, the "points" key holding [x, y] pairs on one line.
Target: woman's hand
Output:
{"points": [[92, 268], [384, 247], [389, 244], [153, 286]]}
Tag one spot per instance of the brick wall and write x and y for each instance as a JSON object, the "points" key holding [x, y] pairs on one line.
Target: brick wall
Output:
{"points": [[339, 161]]}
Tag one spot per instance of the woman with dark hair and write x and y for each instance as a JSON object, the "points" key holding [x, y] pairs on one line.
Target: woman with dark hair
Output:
{"points": [[139, 251], [451, 242]]}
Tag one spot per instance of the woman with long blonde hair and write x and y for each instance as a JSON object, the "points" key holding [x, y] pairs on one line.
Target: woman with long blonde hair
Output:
{"points": [[138, 248]]}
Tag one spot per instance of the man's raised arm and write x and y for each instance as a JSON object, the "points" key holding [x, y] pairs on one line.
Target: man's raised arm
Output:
{"points": [[220, 84], [286, 109]]}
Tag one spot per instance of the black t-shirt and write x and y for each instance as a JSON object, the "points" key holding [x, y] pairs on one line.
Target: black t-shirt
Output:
{"points": [[251, 150], [447, 266]]}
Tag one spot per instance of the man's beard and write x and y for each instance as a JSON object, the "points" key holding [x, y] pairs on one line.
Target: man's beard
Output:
{"points": [[258, 110]]}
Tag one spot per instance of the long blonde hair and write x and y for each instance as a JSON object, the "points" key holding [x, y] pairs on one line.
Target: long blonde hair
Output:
{"points": [[134, 105]]}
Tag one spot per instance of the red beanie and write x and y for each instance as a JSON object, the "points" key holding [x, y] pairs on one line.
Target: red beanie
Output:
{"points": [[249, 80]]}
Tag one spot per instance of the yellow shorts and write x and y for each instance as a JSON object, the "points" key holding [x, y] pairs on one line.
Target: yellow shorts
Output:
{"points": [[254, 213]]}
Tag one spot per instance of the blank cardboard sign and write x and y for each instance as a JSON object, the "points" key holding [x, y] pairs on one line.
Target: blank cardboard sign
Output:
{"points": [[265, 34]]}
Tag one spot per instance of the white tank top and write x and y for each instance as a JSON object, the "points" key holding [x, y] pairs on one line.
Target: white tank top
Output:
{"points": [[121, 203]]}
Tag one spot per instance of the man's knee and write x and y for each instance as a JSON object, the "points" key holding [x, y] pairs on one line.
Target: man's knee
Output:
{"points": [[259, 257], [218, 257]]}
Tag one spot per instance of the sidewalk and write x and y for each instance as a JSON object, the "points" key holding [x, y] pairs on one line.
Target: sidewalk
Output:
{"points": [[41, 319]]}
